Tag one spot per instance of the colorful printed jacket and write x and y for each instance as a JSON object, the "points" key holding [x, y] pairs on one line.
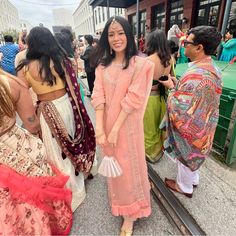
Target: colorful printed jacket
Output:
{"points": [[193, 111]]}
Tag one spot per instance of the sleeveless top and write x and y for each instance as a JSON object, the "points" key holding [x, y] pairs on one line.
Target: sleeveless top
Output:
{"points": [[40, 87], [8, 122]]}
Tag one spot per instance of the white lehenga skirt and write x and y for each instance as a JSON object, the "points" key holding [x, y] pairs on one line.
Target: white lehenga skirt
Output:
{"points": [[75, 183]]}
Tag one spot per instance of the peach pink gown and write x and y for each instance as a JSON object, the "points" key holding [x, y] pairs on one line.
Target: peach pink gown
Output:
{"points": [[118, 89]]}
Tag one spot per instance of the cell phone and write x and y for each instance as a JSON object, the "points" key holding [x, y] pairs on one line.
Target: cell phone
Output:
{"points": [[163, 78]]}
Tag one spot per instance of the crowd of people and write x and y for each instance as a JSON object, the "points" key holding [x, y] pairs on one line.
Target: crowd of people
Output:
{"points": [[142, 112]]}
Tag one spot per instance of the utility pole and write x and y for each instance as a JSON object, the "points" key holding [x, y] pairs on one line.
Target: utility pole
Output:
{"points": [[225, 23], [108, 9], [137, 21], [93, 21]]}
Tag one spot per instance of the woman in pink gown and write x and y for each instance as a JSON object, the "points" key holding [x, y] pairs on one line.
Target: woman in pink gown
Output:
{"points": [[122, 86]]}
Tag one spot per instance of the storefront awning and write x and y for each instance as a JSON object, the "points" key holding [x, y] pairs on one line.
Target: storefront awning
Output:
{"points": [[112, 3]]}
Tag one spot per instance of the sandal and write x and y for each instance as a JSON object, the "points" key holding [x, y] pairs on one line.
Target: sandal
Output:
{"points": [[170, 183], [124, 232]]}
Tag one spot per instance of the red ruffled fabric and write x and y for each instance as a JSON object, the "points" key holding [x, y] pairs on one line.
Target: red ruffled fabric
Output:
{"points": [[46, 193]]}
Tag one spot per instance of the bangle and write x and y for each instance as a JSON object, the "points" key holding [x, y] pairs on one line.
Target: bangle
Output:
{"points": [[99, 135], [99, 109]]}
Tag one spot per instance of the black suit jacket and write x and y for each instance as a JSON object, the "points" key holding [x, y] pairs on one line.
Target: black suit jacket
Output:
{"points": [[86, 57]]}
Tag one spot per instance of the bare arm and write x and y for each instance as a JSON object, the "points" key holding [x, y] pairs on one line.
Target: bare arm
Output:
{"points": [[99, 111], [159, 68], [100, 133], [24, 107], [112, 137]]}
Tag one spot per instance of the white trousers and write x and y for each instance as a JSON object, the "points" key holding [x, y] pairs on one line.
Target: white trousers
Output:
{"points": [[186, 178]]}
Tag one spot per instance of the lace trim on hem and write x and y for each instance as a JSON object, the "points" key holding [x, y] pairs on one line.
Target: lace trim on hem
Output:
{"points": [[138, 209]]}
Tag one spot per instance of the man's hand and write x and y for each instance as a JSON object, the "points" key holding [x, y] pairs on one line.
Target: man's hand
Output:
{"points": [[169, 83]]}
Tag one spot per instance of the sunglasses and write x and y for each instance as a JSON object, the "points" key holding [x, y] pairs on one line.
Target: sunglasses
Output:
{"points": [[186, 42]]}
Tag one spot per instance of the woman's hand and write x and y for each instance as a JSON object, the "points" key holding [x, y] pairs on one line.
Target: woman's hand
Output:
{"points": [[101, 139], [170, 83], [112, 137]]}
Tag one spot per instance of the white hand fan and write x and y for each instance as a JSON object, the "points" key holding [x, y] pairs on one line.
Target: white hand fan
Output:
{"points": [[109, 167]]}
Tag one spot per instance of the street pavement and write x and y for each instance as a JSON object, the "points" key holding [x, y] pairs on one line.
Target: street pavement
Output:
{"points": [[213, 205], [93, 216]]}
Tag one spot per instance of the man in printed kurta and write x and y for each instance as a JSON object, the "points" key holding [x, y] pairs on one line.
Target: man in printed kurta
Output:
{"points": [[193, 109]]}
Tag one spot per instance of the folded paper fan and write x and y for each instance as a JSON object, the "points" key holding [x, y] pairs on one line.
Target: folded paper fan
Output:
{"points": [[109, 167]]}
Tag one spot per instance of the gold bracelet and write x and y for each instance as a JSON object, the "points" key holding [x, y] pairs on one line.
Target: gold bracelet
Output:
{"points": [[99, 135], [99, 109]]}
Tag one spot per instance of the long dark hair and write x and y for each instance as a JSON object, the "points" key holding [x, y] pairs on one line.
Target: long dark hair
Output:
{"points": [[64, 42], [42, 46], [157, 43], [103, 51]]}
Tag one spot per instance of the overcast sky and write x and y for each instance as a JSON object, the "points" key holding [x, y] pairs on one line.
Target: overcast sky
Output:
{"points": [[35, 12]]}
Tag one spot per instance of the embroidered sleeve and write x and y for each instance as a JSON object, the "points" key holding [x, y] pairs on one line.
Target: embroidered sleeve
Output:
{"points": [[139, 88], [98, 96]]}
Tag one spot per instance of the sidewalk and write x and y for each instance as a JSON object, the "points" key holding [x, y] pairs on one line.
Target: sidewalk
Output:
{"points": [[214, 201]]}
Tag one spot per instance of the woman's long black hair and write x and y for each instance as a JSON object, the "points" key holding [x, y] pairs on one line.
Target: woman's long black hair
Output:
{"points": [[42, 46], [157, 43], [64, 41], [103, 50]]}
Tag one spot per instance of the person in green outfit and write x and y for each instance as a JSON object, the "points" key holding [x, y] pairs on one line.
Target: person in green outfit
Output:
{"points": [[159, 53], [181, 55], [229, 47]]}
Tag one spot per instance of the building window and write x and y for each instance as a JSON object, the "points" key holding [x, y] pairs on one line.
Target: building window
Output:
{"points": [[158, 16], [132, 21], [103, 14], [96, 21], [208, 12], [99, 15], [142, 20], [176, 12]]}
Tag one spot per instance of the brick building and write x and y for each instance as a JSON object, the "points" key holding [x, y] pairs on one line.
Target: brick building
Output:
{"points": [[164, 13]]}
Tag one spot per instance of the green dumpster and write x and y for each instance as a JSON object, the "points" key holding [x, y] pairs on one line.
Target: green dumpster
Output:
{"points": [[225, 136]]}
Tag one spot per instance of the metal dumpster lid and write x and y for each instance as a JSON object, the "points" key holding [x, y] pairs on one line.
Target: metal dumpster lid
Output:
{"points": [[229, 74]]}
